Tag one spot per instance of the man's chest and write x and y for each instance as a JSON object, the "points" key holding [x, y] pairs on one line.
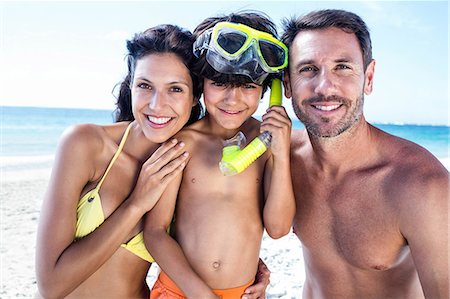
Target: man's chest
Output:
{"points": [[350, 221]]}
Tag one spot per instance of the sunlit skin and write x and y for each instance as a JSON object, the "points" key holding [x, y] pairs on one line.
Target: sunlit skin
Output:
{"points": [[96, 266], [229, 107], [219, 219], [331, 98], [371, 207], [161, 98]]}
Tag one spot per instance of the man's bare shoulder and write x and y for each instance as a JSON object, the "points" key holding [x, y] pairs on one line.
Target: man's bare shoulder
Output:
{"points": [[408, 156], [414, 174], [299, 139]]}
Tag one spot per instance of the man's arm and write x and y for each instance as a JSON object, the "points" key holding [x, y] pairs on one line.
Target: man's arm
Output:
{"points": [[262, 280], [425, 224]]}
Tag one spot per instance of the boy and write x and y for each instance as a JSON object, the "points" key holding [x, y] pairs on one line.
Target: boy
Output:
{"points": [[219, 220]]}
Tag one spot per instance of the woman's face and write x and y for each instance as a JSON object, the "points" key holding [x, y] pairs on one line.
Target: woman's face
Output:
{"points": [[162, 96]]}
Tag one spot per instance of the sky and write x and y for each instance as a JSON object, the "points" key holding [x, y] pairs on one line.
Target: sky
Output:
{"points": [[71, 54]]}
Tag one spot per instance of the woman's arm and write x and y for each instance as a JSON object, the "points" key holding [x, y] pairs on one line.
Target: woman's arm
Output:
{"points": [[279, 207], [62, 264], [166, 251]]}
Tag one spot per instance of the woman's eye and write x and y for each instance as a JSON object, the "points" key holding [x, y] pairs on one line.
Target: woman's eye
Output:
{"points": [[143, 86]]}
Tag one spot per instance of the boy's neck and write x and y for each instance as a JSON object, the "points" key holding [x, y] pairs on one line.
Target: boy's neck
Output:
{"points": [[224, 133]]}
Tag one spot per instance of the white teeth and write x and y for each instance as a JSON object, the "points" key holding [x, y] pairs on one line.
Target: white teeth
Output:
{"points": [[158, 120], [327, 108], [231, 112]]}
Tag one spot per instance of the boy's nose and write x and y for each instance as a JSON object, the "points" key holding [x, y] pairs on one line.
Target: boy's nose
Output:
{"points": [[233, 95]]}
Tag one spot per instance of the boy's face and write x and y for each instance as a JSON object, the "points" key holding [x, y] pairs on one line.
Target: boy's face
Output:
{"points": [[230, 106]]}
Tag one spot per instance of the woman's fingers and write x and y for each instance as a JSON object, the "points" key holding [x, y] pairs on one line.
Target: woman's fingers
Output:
{"points": [[163, 155], [162, 149], [173, 169]]}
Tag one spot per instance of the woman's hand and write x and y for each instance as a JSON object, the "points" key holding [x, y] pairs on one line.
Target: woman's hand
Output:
{"points": [[157, 172], [262, 280]]}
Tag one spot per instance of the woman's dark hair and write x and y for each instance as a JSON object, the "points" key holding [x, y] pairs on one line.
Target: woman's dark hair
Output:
{"points": [[327, 18], [254, 19], [159, 39]]}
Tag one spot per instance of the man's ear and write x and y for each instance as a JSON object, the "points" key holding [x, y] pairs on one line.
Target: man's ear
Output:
{"points": [[287, 84], [368, 77]]}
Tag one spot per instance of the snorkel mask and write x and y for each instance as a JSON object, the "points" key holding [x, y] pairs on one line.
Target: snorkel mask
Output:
{"points": [[239, 49]]}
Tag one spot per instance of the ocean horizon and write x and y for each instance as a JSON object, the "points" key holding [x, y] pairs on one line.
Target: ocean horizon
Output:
{"points": [[35, 131]]}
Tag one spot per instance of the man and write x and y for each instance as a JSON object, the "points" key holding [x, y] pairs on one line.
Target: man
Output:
{"points": [[372, 208]]}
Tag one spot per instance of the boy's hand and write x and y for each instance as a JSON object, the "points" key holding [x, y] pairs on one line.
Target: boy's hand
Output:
{"points": [[262, 280], [277, 122]]}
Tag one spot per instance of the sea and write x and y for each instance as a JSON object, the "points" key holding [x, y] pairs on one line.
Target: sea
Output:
{"points": [[30, 132]]}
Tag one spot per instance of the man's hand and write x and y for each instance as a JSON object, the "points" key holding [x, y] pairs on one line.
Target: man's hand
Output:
{"points": [[262, 279]]}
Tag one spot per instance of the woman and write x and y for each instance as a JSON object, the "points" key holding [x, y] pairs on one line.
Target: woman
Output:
{"points": [[105, 178]]}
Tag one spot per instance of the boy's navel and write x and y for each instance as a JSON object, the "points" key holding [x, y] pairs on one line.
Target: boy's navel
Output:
{"points": [[216, 265]]}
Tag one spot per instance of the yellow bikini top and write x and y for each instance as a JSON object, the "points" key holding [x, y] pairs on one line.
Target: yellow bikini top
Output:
{"points": [[90, 213]]}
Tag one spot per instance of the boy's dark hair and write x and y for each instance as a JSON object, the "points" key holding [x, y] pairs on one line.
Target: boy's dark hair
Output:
{"points": [[159, 39], [253, 19], [322, 19]]}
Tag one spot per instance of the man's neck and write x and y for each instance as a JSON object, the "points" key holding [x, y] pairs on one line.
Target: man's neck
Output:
{"points": [[349, 150]]}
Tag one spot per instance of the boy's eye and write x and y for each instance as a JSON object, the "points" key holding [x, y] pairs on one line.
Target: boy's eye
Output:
{"points": [[218, 84], [176, 89], [249, 86]]}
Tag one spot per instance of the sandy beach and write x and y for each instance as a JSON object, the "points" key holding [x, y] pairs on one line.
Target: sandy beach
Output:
{"points": [[23, 184]]}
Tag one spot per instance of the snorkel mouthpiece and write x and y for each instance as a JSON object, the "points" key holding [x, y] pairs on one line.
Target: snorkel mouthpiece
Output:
{"points": [[234, 160]]}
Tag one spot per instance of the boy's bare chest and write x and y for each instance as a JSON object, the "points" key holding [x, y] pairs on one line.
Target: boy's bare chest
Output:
{"points": [[203, 171], [351, 220]]}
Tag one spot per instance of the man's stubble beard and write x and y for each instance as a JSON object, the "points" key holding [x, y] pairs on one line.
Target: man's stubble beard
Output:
{"points": [[350, 118]]}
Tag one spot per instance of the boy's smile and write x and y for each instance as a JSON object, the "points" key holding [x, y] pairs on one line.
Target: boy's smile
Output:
{"points": [[230, 106]]}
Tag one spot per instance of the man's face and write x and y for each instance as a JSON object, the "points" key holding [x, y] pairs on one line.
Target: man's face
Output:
{"points": [[327, 81]]}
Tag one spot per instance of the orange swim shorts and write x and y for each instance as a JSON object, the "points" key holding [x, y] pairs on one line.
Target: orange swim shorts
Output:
{"points": [[165, 288]]}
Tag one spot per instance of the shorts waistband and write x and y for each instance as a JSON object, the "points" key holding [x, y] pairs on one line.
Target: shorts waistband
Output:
{"points": [[236, 292]]}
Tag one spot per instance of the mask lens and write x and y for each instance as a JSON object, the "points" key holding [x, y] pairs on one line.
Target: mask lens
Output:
{"points": [[231, 41], [273, 54]]}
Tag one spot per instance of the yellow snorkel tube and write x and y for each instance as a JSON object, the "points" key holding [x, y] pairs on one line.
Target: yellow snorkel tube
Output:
{"points": [[234, 159]]}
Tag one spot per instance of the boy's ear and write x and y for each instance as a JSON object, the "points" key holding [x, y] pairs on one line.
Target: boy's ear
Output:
{"points": [[287, 84]]}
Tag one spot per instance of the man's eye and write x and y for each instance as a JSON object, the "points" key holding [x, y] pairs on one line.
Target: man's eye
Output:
{"points": [[307, 69], [342, 67]]}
